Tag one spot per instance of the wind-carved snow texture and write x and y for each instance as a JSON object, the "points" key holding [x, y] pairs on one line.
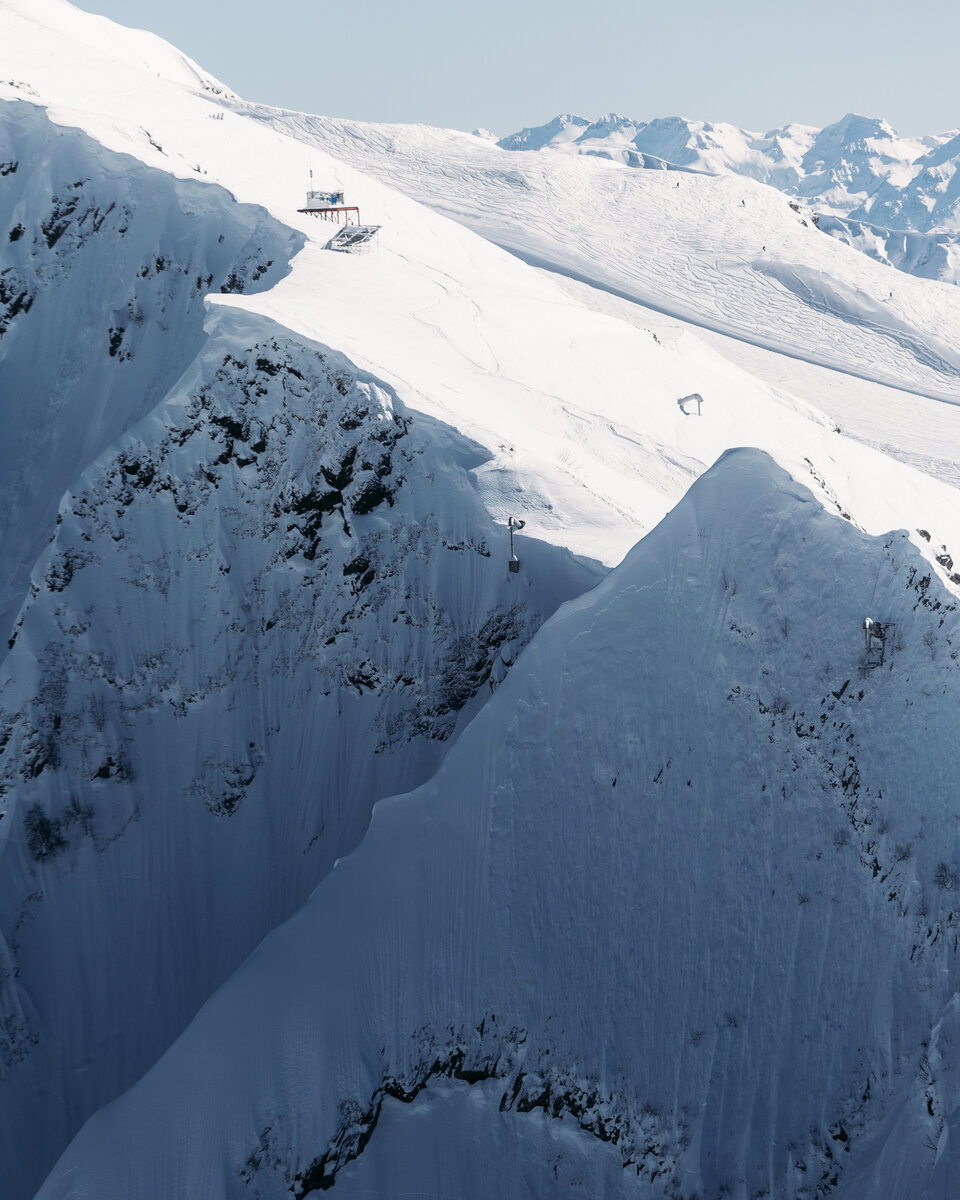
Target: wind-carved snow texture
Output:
{"points": [[720, 944], [695, 859], [104, 265], [267, 604], [648, 1144]]}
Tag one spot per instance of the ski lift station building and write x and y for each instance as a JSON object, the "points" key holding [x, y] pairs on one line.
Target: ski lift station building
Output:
{"points": [[329, 206]]}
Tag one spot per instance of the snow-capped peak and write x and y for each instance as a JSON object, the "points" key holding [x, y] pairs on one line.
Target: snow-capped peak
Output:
{"points": [[857, 167], [562, 129], [275, 572]]}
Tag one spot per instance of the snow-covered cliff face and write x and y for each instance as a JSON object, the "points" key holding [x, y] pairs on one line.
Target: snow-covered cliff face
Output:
{"points": [[104, 264], [266, 606], [928, 255], [275, 593], [677, 916], [858, 168]]}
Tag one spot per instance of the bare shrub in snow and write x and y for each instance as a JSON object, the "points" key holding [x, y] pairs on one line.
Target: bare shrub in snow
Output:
{"points": [[727, 583]]}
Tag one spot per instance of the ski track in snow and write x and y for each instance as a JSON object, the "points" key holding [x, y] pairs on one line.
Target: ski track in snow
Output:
{"points": [[852, 173], [639, 234], [927, 433], [560, 402]]}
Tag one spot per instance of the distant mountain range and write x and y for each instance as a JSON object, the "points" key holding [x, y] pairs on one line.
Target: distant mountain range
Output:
{"points": [[346, 839], [896, 198]]}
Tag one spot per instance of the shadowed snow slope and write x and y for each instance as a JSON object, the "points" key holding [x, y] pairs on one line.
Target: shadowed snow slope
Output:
{"points": [[267, 605], [678, 914], [275, 588], [102, 280]]}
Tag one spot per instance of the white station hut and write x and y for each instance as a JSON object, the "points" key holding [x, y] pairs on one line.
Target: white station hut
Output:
{"points": [[329, 206]]}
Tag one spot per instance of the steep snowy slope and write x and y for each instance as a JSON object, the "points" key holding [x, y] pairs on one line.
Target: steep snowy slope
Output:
{"points": [[265, 607], [928, 255], [677, 916], [470, 335], [857, 168], [268, 600], [915, 430], [101, 307], [931, 198], [718, 251]]}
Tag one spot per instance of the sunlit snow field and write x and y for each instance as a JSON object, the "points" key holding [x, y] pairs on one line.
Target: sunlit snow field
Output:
{"points": [[650, 852]]}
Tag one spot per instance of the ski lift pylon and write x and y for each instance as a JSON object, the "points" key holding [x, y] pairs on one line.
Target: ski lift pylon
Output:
{"points": [[513, 524], [875, 634]]}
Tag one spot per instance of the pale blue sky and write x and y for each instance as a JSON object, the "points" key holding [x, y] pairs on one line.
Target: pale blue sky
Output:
{"points": [[504, 64]]}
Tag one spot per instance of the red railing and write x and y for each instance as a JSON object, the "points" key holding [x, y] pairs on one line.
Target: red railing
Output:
{"points": [[334, 214]]}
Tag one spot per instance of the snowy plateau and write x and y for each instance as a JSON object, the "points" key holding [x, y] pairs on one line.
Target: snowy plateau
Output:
{"points": [[335, 852]]}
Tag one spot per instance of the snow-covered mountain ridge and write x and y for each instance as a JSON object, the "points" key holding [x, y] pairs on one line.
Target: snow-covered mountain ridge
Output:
{"points": [[716, 951], [275, 588], [335, 566], [720, 252], [111, 260], [904, 192]]}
